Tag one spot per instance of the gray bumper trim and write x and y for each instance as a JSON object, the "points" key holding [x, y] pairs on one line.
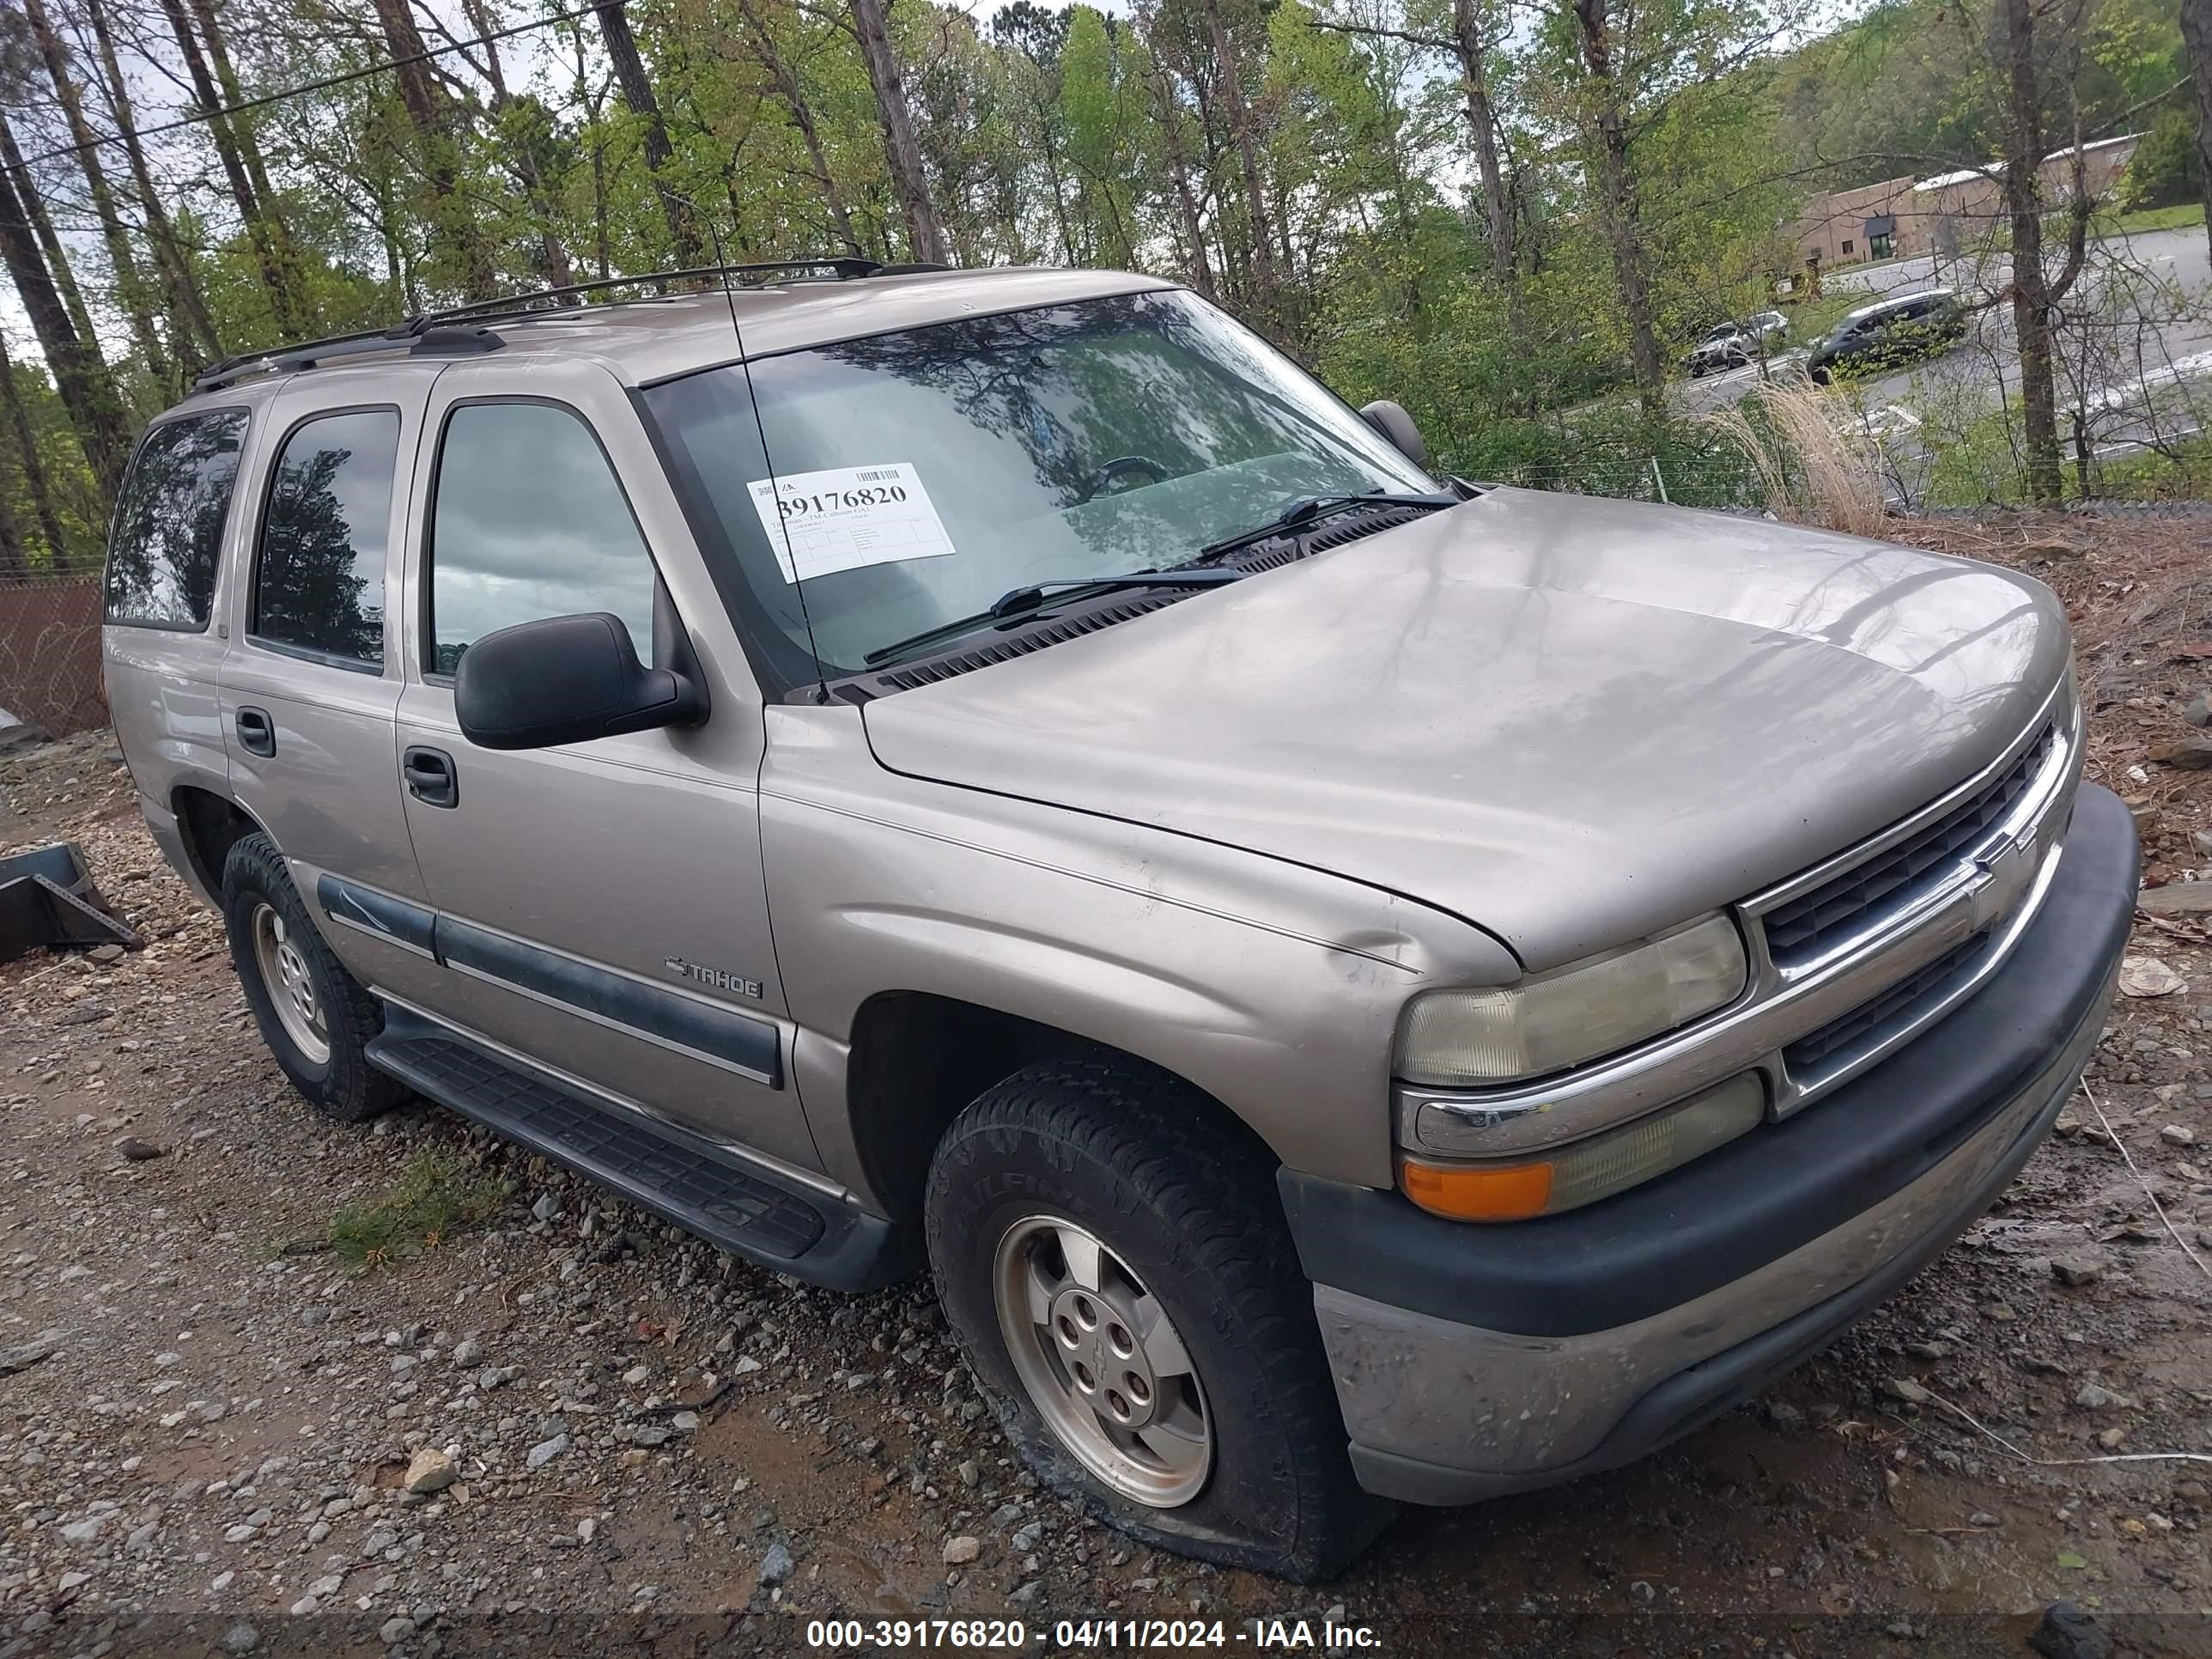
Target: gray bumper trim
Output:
{"points": [[1442, 1412]]}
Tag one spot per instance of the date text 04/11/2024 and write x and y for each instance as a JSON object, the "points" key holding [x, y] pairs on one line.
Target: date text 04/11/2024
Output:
{"points": [[1325, 1636]]}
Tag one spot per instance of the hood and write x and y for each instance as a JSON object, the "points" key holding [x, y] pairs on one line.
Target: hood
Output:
{"points": [[1571, 722]]}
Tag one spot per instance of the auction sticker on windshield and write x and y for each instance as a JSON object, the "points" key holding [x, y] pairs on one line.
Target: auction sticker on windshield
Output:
{"points": [[848, 518]]}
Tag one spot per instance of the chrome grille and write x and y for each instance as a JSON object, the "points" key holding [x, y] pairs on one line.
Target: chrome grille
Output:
{"points": [[1895, 1008], [1849, 960], [1802, 929]]}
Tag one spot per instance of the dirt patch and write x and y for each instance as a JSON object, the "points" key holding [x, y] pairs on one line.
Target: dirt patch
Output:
{"points": [[642, 1426]]}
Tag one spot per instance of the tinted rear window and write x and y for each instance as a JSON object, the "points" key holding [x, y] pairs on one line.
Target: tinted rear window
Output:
{"points": [[320, 585], [169, 525]]}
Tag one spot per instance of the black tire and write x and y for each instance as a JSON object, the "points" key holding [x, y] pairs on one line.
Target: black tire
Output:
{"points": [[342, 1085], [1150, 1166]]}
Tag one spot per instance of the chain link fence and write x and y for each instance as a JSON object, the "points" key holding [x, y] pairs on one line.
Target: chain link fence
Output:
{"points": [[49, 673]]}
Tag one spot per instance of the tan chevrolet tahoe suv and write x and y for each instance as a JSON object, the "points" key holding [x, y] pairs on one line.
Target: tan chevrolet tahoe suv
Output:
{"points": [[1359, 986]]}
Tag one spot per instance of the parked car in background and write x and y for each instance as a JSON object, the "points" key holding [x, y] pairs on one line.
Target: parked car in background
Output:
{"points": [[1889, 334], [1732, 345], [1359, 986]]}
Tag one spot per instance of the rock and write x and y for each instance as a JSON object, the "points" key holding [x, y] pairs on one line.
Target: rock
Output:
{"points": [[430, 1470], [1982, 1518], [468, 1352], [2001, 1312], [1026, 1538], [85, 1531], [304, 1606], [776, 1566], [395, 1630], [2198, 711], [1929, 1352], [2111, 1439], [104, 954], [958, 1552], [546, 1451], [2147, 976], [547, 1208], [1781, 1415], [2200, 842], [1904, 1388], [2183, 754], [2174, 1134], [971, 1473], [239, 1638], [2095, 1396], [24, 1355], [2176, 898], [2067, 1632], [2076, 1271], [746, 1366]]}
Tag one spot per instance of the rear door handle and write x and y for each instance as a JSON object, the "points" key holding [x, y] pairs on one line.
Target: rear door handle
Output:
{"points": [[430, 776], [256, 732]]}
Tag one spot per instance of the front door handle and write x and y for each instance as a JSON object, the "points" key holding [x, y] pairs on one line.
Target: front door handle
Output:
{"points": [[256, 732], [430, 776]]}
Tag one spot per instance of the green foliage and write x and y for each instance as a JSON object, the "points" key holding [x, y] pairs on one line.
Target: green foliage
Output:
{"points": [[2165, 170], [437, 1197]]}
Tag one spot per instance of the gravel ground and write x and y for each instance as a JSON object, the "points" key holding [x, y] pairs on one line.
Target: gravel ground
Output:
{"points": [[623, 1440]]}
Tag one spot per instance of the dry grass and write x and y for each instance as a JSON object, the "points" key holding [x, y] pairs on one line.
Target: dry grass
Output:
{"points": [[1816, 470]]}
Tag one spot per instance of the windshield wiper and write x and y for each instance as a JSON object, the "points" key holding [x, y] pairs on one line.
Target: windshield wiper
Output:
{"points": [[1016, 601], [1300, 514]]}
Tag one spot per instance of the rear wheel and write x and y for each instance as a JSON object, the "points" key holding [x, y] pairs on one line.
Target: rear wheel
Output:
{"points": [[315, 1017], [1113, 1256]]}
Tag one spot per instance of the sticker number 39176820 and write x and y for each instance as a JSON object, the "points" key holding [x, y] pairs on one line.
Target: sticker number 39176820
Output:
{"points": [[846, 518]]}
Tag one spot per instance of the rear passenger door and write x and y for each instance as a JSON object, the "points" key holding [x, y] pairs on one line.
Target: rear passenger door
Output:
{"points": [[312, 678], [601, 906]]}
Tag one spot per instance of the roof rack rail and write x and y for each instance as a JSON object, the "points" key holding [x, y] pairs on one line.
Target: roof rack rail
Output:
{"points": [[433, 331]]}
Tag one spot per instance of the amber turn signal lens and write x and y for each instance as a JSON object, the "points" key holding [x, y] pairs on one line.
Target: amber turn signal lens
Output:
{"points": [[1513, 1193]]}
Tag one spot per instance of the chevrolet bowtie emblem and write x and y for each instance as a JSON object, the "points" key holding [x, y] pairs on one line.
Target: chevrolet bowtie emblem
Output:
{"points": [[2006, 872]]}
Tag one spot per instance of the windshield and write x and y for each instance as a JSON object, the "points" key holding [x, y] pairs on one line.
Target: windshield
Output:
{"points": [[921, 475]]}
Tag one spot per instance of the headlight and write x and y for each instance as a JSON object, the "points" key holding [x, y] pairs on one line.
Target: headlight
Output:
{"points": [[1587, 1170], [1456, 1039]]}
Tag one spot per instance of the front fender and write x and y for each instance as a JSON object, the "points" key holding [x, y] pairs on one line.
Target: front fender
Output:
{"points": [[1273, 987]]}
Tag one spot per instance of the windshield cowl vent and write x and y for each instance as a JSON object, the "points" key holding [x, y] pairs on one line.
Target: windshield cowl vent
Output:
{"points": [[1055, 631], [1090, 618], [1293, 546]]}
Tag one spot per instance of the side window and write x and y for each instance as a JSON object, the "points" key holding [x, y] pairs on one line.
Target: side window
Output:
{"points": [[319, 582], [528, 521], [168, 524]]}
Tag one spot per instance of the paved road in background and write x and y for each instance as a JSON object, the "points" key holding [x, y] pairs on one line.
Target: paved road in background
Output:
{"points": [[2176, 351]]}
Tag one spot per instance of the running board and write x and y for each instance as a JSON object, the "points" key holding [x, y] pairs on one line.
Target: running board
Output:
{"points": [[730, 1201]]}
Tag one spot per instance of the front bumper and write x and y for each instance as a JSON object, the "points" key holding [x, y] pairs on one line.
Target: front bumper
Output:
{"points": [[1474, 1361]]}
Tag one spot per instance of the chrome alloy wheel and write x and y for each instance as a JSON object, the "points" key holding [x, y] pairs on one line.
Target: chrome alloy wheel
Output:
{"points": [[1102, 1362], [291, 986]]}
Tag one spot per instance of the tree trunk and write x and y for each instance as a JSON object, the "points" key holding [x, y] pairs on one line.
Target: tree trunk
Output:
{"points": [[271, 247], [558, 272], [42, 228], [786, 81], [13, 566], [129, 290], [2197, 38], [79, 375], [1482, 129], [1228, 71], [2032, 302], [637, 93], [34, 465], [189, 318], [925, 238], [1617, 204], [1170, 112], [432, 115]]}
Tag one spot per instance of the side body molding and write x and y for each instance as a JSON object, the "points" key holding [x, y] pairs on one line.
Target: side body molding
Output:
{"points": [[738, 1043]]}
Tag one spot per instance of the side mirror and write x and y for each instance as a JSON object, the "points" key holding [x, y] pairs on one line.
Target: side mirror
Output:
{"points": [[565, 679], [1391, 420]]}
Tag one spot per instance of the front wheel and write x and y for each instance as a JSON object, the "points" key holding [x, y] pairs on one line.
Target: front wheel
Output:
{"points": [[1113, 1256]]}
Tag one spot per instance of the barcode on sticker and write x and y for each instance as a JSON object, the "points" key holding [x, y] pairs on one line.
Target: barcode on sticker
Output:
{"points": [[877, 475]]}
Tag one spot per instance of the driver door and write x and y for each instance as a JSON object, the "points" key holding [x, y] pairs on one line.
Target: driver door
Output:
{"points": [[601, 907]]}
